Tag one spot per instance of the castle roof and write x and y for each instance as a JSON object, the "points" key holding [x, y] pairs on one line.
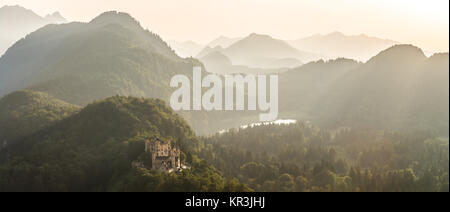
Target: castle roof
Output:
{"points": [[162, 141]]}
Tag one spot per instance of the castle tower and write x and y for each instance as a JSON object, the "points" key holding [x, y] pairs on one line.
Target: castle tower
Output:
{"points": [[164, 156]]}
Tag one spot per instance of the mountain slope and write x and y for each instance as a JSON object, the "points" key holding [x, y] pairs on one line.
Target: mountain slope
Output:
{"points": [[81, 62], [255, 50], [111, 55], [302, 88], [93, 149], [208, 50], [185, 49], [217, 62], [400, 88], [223, 41], [16, 22], [25, 112]]}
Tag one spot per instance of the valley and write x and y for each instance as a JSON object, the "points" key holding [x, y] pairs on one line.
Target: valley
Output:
{"points": [[84, 105]]}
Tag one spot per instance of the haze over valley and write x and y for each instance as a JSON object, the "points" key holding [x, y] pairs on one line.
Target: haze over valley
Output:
{"points": [[81, 99]]}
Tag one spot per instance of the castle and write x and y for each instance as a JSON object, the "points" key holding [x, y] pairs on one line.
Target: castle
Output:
{"points": [[165, 157]]}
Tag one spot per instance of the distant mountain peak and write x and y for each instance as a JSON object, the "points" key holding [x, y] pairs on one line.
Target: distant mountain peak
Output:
{"points": [[116, 17], [55, 17], [260, 39], [189, 42], [400, 51], [223, 41], [10, 7], [112, 15], [217, 57], [363, 35], [405, 56], [18, 11], [337, 44], [207, 50], [336, 33], [185, 49], [258, 36], [16, 22]]}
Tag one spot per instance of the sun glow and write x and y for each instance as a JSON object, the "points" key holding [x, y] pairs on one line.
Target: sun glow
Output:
{"points": [[424, 23]]}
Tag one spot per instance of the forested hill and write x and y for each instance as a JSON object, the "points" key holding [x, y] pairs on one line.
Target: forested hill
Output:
{"points": [[400, 89], [301, 157], [25, 112], [92, 150], [82, 62]]}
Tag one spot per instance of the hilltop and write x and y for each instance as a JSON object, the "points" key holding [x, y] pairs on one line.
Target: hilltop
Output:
{"points": [[16, 22], [82, 62], [25, 112], [92, 151]]}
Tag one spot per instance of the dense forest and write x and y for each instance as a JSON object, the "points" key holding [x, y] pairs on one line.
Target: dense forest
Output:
{"points": [[79, 101], [25, 112], [92, 150], [398, 89], [300, 157]]}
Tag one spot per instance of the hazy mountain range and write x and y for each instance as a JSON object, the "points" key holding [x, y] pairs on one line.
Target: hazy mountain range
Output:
{"points": [[248, 52], [257, 50], [185, 49], [78, 101], [243, 51], [16, 22], [114, 55], [82, 62], [336, 44], [219, 63], [223, 41], [260, 52], [400, 88]]}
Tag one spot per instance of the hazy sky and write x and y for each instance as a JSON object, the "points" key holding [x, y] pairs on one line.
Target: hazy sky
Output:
{"points": [[424, 23]]}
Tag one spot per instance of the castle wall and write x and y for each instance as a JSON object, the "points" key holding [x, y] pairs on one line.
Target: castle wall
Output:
{"points": [[164, 156]]}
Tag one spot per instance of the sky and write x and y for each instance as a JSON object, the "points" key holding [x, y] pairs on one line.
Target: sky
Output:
{"points": [[424, 23]]}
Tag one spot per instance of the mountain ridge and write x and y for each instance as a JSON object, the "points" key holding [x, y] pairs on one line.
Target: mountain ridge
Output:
{"points": [[16, 22], [80, 39], [336, 44], [25, 112]]}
